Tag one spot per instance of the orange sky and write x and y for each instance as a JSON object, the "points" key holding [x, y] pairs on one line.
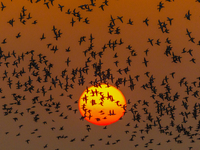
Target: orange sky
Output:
{"points": [[159, 66]]}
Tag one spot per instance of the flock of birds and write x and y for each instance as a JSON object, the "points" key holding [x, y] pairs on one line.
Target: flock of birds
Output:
{"points": [[28, 80]]}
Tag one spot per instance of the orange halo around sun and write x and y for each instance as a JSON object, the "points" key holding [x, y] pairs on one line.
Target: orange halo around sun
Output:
{"points": [[102, 105]]}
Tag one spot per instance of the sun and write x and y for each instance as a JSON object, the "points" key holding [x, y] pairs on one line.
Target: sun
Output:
{"points": [[102, 105]]}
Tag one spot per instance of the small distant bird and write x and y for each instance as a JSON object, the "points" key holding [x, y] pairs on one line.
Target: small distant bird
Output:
{"points": [[160, 6], [72, 22], [11, 22], [43, 37], [102, 7], [27, 141], [150, 41], [130, 22], [34, 22], [170, 20], [18, 35], [146, 21], [187, 15], [120, 18], [45, 146], [145, 61], [47, 4], [61, 7], [2, 6]]}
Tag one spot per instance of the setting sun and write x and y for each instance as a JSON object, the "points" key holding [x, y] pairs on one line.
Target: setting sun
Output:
{"points": [[102, 105]]}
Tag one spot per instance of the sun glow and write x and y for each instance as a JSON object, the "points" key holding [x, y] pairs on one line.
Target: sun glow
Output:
{"points": [[102, 105]]}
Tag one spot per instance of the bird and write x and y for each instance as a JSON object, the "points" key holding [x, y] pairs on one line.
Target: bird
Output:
{"points": [[72, 22], [29, 16], [102, 7], [45, 146], [86, 20], [188, 15], [146, 21], [146, 51], [120, 18], [43, 37], [150, 41], [27, 141], [168, 41], [11, 22], [106, 2], [34, 22], [18, 35], [51, 2], [160, 6], [47, 4], [60, 7], [130, 22], [158, 42], [2, 6], [170, 20]]}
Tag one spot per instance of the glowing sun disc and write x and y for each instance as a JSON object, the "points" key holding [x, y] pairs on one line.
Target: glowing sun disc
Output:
{"points": [[102, 105]]}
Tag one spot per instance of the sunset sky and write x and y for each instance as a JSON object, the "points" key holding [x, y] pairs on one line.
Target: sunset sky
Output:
{"points": [[51, 51]]}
